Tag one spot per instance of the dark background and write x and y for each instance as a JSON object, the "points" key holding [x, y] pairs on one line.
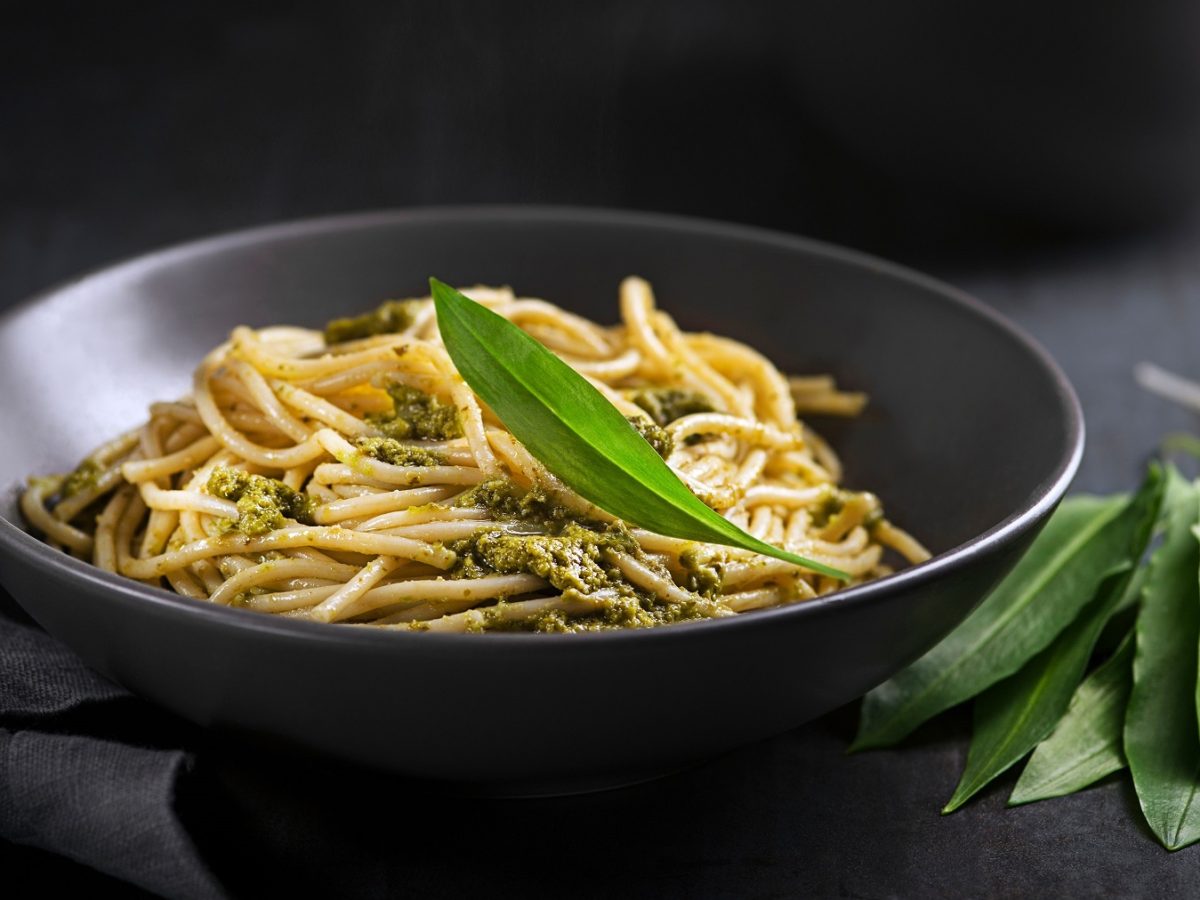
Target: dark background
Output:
{"points": [[1043, 155], [924, 130]]}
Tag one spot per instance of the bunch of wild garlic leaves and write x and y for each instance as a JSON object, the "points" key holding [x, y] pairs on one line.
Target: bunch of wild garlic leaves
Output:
{"points": [[1085, 590]]}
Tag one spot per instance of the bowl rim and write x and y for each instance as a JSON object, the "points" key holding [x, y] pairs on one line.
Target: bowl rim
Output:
{"points": [[17, 542]]}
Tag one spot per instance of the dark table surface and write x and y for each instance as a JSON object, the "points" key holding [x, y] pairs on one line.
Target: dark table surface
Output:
{"points": [[189, 155]]}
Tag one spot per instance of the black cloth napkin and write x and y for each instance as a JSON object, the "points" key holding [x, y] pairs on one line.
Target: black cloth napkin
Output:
{"points": [[89, 772]]}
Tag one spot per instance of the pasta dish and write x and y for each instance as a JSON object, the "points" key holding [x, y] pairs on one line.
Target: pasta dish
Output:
{"points": [[350, 475]]}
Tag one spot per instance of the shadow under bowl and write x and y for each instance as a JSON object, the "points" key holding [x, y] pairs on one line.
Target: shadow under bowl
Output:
{"points": [[971, 438]]}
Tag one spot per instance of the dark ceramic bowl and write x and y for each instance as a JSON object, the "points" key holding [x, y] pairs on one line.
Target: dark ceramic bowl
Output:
{"points": [[971, 438]]}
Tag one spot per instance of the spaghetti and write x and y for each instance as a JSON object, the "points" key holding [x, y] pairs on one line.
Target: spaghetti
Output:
{"points": [[351, 476]]}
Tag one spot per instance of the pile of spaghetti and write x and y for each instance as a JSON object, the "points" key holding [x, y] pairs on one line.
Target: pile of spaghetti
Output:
{"points": [[352, 476]]}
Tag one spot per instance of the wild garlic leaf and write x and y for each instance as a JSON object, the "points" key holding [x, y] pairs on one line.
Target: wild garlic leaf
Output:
{"points": [[1086, 539], [576, 433], [1161, 739], [1014, 715], [1086, 744]]}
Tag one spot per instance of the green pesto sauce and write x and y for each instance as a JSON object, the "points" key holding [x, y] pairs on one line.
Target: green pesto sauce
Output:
{"points": [[83, 478], [263, 503], [828, 506], [506, 500], [628, 609], [391, 451], [390, 317], [665, 405], [704, 574], [571, 558], [416, 414], [242, 599], [834, 501], [569, 555], [655, 435]]}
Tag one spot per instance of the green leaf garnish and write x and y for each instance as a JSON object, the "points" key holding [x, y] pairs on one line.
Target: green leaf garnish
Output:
{"points": [[1161, 739], [1014, 715], [572, 429], [1059, 574], [1087, 743]]}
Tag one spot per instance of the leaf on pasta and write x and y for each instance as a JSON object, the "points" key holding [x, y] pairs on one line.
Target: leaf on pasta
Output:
{"points": [[572, 429]]}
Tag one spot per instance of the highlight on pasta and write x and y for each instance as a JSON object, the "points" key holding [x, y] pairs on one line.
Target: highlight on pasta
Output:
{"points": [[351, 476]]}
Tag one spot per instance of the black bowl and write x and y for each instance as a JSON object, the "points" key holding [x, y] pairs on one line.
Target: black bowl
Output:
{"points": [[971, 438]]}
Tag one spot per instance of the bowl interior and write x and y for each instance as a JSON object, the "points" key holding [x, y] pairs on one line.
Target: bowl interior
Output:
{"points": [[966, 422]]}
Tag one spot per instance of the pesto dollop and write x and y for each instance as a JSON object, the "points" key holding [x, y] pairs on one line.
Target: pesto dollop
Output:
{"points": [[506, 500], [570, 559], [665, 405], [416, 414], [391, 317], [624, 609], [85, 476], [704, 575], [655, 435], [569, 552], [263, 503], [834, 500], [391, 451]]}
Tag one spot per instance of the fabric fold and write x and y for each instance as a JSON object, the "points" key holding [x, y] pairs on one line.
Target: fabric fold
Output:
{"points": [[76, 778]]}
